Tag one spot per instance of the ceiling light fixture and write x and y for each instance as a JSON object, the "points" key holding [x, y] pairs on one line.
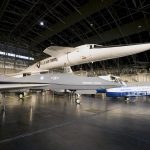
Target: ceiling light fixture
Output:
{"points": [[41, 23]]}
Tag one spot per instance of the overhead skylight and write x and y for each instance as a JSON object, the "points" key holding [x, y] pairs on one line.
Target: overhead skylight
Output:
{"points": [[18, 56]]}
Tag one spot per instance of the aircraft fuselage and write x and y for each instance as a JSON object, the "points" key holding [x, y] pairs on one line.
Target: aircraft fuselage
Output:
{"points": [[87, 53]]}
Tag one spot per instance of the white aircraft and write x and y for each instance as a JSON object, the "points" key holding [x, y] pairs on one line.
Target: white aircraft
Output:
{"points": [[68, 56], [127, 92]]}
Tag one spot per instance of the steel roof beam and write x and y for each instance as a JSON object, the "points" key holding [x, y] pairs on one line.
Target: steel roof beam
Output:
{"points": [[25, 15], [3, 7], [127, 29], [43, 14], [91, 7]]}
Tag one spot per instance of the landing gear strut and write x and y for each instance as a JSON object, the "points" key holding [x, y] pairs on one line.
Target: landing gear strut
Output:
{"points": [[3, 102]]}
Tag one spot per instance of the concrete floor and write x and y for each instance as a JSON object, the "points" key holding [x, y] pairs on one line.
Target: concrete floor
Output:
{"points": [[56, 123]]}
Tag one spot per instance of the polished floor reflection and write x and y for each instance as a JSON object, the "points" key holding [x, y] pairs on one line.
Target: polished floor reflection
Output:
{"points": [[50, 122]]}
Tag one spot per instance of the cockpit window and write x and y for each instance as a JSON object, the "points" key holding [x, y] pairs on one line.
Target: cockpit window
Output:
{"points": [[95, 46], [113, 78]]}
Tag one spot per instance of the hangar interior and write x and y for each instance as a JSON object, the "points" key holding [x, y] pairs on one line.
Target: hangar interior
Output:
{"points": [[27, 27]]}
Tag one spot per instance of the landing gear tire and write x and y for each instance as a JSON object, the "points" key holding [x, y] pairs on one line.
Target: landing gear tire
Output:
{"points": [[21, 96], [77, 101], [126, 98], [43, 93]]}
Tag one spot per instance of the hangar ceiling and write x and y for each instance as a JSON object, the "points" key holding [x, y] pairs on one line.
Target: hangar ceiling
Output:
{"points": [[74, 22]]}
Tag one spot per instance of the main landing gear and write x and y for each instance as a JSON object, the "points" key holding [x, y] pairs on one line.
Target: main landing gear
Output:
{"points": [[22, 95], [126, 98], [76, 97]]}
